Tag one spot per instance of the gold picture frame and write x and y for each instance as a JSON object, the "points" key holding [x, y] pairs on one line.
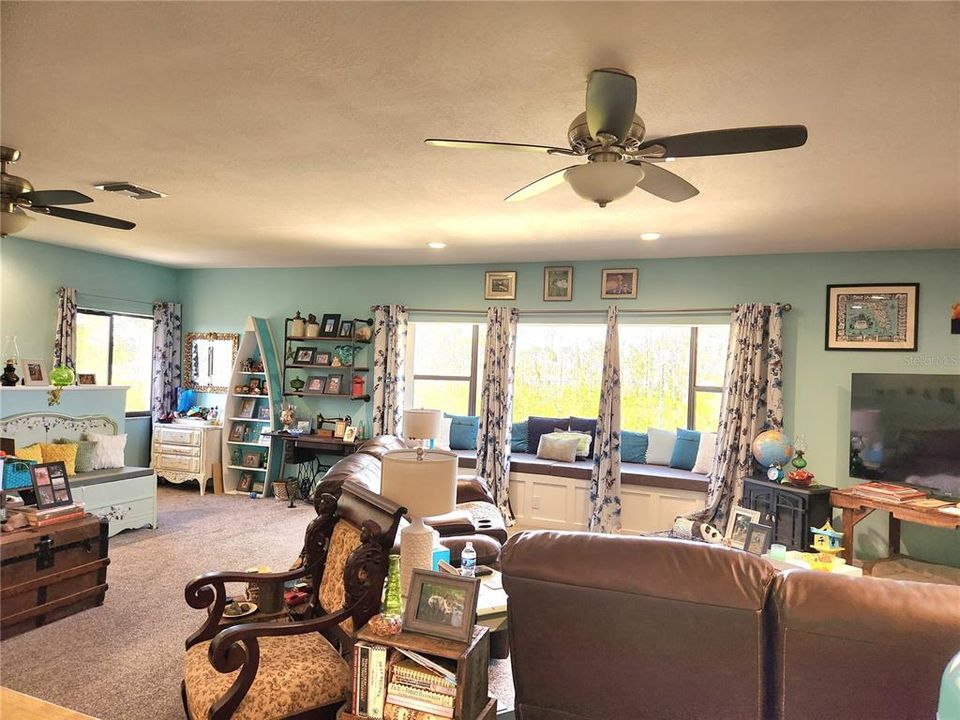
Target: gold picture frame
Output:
{"points": [[500, 285]]}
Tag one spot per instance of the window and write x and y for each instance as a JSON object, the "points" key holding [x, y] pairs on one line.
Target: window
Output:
{"points": [[118, 349], [447, 359]]}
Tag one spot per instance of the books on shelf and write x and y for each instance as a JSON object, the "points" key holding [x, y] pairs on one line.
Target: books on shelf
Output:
{"points": [[887, 492], [400, 688], [369, 679], [50, 516]]}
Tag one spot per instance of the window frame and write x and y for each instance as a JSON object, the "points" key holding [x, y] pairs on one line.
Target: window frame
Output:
{"points": [[472, 379], [692, 387], [111, 314]]}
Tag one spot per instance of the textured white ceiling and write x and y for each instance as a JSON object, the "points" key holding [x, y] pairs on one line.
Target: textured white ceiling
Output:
{"points": [[291, 133]]}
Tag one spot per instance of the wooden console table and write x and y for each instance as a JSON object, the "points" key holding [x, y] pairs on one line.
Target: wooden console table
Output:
{"points": [[855, 508]]}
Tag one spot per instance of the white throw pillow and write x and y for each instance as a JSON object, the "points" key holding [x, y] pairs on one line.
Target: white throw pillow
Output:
{"points": [[554, 446], [660, 447], [108, 453], [443, 442], [708, 446]]}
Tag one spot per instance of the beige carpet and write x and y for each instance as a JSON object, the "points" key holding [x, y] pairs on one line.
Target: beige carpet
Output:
{"points": [[122, 661]]}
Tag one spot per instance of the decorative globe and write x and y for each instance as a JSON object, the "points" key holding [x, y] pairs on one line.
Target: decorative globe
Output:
{"points": [[62, 376], [772, 447]]}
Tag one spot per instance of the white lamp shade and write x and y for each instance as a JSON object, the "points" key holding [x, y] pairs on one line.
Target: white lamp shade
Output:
{"points": [[422, 424], [425, 486], [603, 182]]}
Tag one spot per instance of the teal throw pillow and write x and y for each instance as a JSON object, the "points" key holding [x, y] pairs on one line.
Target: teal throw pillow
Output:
{"points": [[463, 431], [518, 437], [633, 447], [685, 451]]}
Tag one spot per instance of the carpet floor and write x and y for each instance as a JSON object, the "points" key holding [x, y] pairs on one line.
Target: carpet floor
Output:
{"points": [[124, 660]]}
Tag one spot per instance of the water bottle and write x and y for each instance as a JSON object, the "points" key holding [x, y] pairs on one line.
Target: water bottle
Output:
{"points": [[468, 561]]}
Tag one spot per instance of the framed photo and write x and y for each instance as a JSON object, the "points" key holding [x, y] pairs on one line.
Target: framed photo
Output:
{"points": [[246, 482], [322, 358], [441, 605], [329, 325], [346, 329], [872, 317], [557, 283], [315, 384], [758, 539], [33, 372], [252, 459], [303, 356], [350, 434], [247, 406], [238, 432], [739, 525], [50, 485], [304, 426], [263, 412], [333, 385], [255, 384], [500, 285], [618, 283], [340, 429], [86, 379], [258, 486]]}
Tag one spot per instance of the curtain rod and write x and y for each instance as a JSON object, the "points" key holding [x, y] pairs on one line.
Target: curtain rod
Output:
{"points": [[108, 297], [787, 307]]}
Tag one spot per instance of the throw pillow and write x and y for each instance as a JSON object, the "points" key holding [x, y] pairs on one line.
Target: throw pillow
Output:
{"points": [[31, 452], [705, 453], [537, 426], [109, 451], [553, 446], [518, 437], [463, 431], [85, 452], [583, 440], [62, 452], [684, 455], [660, 446], [633, 447], [585, 425], [443, 442]]}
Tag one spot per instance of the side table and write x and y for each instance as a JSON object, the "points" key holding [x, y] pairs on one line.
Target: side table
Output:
{"points": [[792, 510]]}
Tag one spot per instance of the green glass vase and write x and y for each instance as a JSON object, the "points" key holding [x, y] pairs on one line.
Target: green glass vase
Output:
{"points": [[392, 600]]}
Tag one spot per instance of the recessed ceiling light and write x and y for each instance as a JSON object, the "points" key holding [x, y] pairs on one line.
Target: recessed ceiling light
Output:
{"points": [[650, 236], [436, 245]]}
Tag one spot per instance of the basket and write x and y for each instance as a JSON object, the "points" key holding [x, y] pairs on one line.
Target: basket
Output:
{"points": [[281, 489], [16, 473]]}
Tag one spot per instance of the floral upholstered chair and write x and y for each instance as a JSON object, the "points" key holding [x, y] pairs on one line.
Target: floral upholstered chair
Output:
{"points": [[271, 670]]}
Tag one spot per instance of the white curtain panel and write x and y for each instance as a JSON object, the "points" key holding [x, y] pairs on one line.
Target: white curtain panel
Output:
{"points": [[167, 363], [390, 349], [65, 341], [752, 402], [496, 406], [605, 501]]}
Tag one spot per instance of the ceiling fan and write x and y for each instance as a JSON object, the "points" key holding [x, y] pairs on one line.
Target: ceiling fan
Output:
{"points": [[17, 195], [611, 137]]}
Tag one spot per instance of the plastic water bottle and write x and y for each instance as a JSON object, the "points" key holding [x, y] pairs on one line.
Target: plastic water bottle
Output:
{"points": [[468, 561]]}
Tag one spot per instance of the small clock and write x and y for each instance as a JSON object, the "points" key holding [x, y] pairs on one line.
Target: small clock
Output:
{"points": [[775, 473]]}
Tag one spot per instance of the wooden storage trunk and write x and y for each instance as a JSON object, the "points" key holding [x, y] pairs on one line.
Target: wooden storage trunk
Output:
{"points": [[50, 572]]}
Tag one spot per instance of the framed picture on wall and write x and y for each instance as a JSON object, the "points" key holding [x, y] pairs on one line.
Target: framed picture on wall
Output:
{"points": [[557, 283], [618, 283], [500, 285], [872, 317]]}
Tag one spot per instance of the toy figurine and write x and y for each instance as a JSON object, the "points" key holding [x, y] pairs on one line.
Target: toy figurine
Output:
{"points": [[827, 540]]}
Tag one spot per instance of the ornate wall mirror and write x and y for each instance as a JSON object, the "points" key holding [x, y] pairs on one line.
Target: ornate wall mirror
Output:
{"points": [[208, 361]]}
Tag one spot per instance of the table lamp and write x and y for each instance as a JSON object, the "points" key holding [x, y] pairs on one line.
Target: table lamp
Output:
{"points": [[424, 482], [422, 424]]}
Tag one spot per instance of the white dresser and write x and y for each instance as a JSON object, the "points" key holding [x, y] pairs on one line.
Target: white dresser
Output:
{"points": [[184, 452]]}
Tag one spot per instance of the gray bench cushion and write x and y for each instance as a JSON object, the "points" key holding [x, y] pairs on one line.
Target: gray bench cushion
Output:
{"points": [[107, 476]]}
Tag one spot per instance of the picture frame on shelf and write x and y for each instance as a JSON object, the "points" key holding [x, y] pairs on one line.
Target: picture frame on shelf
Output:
{"points": [[739, 525], [245, 484], [334, 383], [86, 379], [350, 434], [256, 385], [252, 459], [304, 427], [500, 285], [346, 329], [557, 284], [238, 432], [618, 283], [315, 384], [329, 325], [33, 372], [263, 413], [257, 487], [247, 406], [873, 316], [322, 357], [303, 356], [441, 605], [340, 429], [50, 485], [758, 539]]}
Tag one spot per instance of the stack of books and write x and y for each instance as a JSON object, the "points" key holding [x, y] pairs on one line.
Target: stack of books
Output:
{"points": [[403, 686], [369, 679], [417, 688], [887, 492], [51, 516]]}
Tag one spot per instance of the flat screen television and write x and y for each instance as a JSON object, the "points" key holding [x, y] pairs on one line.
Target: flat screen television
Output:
{"points": [[906, 428]]}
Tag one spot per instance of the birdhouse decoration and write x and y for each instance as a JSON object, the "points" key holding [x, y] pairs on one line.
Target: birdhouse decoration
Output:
{"points": [[827, 540]]}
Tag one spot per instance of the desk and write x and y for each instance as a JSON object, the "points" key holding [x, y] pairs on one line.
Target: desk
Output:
{"points": [[855, 508], [302, 449]]}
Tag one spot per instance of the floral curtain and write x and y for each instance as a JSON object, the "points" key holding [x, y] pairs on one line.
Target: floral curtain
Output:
{"points": [[496, 406], [166, 358], [65, 342], [752, 402], [605, 476], [390, 348]]}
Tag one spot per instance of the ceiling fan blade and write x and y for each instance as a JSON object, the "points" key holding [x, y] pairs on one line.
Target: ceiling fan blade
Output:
{"points": [[664, 184], [730, 142], [545, 183], [56, 197], [488, 145], [611, 103], [86, 217]]}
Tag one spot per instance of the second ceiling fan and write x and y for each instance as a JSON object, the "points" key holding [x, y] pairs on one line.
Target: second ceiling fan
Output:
{"points": [[611, 136]]}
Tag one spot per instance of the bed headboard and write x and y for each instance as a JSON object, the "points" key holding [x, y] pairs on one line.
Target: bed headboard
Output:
{"points": [[41, 427]]}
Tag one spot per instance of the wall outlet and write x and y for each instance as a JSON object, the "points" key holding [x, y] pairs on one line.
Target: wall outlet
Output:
{"points": [[534, 503]]}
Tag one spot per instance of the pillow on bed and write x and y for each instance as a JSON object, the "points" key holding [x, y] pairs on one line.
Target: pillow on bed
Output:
{"points": [[553, 446], [109, 451], [62, 452], [30, 452]]}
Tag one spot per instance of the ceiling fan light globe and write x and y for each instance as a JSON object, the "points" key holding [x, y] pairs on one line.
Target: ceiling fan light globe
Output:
{"points": [[604, 182], [14, 222]]}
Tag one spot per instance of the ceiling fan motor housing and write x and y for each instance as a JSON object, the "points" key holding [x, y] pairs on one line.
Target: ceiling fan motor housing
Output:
{"points": [[581, 141]]}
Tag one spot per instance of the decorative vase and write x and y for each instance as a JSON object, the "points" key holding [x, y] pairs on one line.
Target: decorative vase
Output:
{"points": [[11, 356], [393, 601], [345, 354], [297, 384], [357, 389], [298, 326]]}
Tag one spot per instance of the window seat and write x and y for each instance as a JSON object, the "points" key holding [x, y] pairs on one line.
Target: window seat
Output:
{"points": [[657, 476]]}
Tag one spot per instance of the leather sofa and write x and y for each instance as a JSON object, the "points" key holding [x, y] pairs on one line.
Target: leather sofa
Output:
{"points": [[639, 627], [476, 518]]}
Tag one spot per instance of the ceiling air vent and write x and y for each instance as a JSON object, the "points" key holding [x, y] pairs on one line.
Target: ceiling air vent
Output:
{"points": [[130, 190]]}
